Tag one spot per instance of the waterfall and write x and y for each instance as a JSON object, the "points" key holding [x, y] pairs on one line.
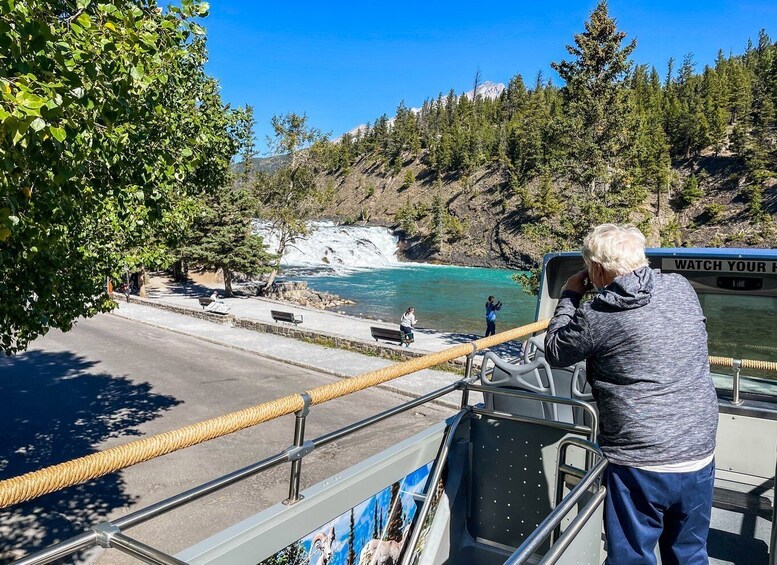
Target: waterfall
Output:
{"points": [[337, 249]]}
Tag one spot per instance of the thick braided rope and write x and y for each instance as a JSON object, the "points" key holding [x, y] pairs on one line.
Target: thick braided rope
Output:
{"points": [[31, 485], [50, 479], [746, 363], [366, 380]]}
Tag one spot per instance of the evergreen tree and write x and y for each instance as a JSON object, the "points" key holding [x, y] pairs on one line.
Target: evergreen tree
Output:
{"points": [[595, 102], [291, 555], [690, 192], [222, 237], [351, 555], [396, 515]]}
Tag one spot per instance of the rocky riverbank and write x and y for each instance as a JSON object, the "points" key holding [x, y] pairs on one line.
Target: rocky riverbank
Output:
{"points": [[298, 292]]}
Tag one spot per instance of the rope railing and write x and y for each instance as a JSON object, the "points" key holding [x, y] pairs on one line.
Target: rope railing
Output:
{"points": [[743, 363], [50, 479], [57, 477]]}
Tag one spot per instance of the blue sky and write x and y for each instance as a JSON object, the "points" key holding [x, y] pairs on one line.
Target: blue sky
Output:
{"points": [[346, 63]]}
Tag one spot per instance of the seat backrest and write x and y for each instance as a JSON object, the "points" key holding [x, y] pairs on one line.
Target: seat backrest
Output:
{"points": [[569, 382], [535, 347], [530, 377], [581, 390]]}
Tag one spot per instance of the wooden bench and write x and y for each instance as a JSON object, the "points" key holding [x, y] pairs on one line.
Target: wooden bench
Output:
{"points": [[391, 335], [288, 317], [205, 301]]}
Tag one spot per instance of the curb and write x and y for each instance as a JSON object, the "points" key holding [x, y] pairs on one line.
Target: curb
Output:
{"points": [[303, 334], [277, 359]]}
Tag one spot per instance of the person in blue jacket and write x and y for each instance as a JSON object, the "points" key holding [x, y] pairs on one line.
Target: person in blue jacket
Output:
{"points": [[491, 308]]}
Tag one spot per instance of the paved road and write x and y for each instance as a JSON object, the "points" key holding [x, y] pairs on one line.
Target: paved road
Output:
{"points": [[111, 380]]}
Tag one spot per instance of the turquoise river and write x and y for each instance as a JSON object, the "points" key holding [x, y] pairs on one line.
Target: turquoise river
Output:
{"points": [[446, 298]]}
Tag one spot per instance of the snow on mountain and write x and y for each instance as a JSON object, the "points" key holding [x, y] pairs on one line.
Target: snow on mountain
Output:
{"points": [[488, 89]]}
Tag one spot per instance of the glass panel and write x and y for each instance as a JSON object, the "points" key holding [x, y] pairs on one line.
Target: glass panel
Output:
{"points": [[743, 327]]}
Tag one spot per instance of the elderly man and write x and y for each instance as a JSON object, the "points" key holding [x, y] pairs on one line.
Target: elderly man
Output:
{"points": [[644, 340]]}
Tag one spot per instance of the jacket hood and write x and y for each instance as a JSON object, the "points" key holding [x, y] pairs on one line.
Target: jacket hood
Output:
{"points": [[629, 291]]}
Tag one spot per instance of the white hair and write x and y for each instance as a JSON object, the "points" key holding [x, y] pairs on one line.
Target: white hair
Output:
{"points": [[618, 249]]}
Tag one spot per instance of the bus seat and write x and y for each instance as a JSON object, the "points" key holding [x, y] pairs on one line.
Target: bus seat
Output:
{"points": [[530, 377]]}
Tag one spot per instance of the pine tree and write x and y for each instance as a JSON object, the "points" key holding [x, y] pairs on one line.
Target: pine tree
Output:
{"points": [[595, 103], [396, 515], [351, 556], [408, 179], [691, 192], [222, 237], [294, 554], [375, 530]]}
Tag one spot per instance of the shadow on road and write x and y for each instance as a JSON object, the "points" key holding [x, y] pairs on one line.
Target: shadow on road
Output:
{"points": [[510, 350], [55, 408]]}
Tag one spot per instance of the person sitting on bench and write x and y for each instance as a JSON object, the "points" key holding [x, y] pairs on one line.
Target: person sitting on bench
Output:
{"points": [[406, 324]]}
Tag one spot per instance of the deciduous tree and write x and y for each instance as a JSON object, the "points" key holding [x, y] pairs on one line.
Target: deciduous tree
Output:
{"points": [[109, 130]]}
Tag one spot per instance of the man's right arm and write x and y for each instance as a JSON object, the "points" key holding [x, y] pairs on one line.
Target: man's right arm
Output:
{"points": [[568, 339]]}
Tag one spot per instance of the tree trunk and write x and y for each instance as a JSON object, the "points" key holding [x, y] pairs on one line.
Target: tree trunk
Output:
{"points": [[227, 281], [180, 271], [270, 281], [142, 282], [283, 241]]}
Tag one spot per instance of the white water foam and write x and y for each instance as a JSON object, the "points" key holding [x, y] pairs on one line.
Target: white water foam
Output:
{"points": [[337, 249]]}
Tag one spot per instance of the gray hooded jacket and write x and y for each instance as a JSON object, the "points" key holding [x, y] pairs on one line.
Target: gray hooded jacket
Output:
{"points": [[645, 342]]}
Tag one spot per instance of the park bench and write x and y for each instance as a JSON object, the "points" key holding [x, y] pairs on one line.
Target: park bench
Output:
{"points": [[213, 306], [289, 317], [391, 335]]}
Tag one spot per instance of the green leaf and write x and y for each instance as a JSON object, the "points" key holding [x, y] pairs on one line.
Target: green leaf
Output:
{"points": [[58, 133], [84, 20], [30, 100], [38, 124]]}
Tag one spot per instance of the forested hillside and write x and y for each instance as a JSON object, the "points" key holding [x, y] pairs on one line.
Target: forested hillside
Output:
{"points": [[686, 154]]}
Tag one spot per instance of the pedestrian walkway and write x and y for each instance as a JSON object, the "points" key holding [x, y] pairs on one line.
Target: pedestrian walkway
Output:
{"points": [[316, 320], [337, 362]]}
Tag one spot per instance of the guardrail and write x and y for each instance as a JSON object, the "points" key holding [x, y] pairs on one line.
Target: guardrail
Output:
{"points": [[37, 483], [44, 481]]}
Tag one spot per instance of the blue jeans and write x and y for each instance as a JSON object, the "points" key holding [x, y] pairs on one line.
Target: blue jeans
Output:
{"points": [[490, 327], [644, 508]]}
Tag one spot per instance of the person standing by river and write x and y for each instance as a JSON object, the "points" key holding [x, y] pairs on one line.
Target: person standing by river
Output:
{"points": [[491, 309]]}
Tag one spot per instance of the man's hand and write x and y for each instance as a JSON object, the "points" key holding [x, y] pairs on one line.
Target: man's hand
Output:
{"points": [[577, 283]]}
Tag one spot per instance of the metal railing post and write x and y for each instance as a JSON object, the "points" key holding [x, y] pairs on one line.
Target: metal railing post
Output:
{"points": [[298, 450], [735, 400], [468, 377]]}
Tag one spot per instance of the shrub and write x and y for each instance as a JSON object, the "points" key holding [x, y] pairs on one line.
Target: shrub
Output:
{"points": [[714, 211], [691, 192]]}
